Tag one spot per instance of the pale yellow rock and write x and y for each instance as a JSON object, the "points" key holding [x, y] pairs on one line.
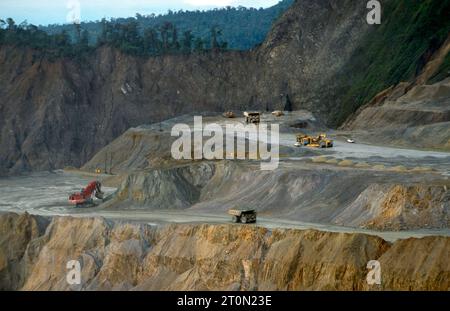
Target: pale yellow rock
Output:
{"points": [[379, 167], [321, 159], [126, 256], [332, 161], [404, 206], [362, 165], [345, 163], [422, 169], [399, 168]]}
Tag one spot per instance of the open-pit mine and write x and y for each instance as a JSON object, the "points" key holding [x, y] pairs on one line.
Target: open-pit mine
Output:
{"points": [[102, 187]]}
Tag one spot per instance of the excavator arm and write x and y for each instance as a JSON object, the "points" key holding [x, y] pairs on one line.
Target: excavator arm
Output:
{"points": [[85, 195]]}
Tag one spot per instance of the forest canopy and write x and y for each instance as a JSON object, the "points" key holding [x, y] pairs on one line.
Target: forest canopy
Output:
{"points": [[182, 32]]}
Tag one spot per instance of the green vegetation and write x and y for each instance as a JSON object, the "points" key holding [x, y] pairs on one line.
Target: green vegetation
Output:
{"points": [[26, 35], [395, 51], [242, 28], [173, 33], [125, 37], [163, 40]]}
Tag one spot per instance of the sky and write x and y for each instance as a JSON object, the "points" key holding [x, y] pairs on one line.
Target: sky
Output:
{"points": [[42, 12]]}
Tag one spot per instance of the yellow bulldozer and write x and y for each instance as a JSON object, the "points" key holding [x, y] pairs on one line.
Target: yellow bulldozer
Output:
{"points": [[252, 117], [320, 141]]}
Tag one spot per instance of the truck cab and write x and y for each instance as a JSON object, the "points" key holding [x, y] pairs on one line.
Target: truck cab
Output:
{"points": [[244, 216]]}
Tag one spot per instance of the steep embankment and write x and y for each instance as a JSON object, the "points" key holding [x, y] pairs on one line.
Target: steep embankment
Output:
{"points": [[376, 194], [370, 193], [397, 50], [175, 188], [409, 114], [210, 257], [389, 200], [418, 117], [60, 113]]}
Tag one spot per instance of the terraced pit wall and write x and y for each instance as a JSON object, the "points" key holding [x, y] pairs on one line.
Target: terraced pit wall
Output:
{"points": [[123, 256]]}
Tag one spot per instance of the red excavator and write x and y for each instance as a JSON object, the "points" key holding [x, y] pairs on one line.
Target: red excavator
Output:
{"points": [[84, 198]]}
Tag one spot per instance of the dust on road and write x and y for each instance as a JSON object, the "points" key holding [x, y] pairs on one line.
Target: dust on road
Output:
{"points": [[45, 194]]}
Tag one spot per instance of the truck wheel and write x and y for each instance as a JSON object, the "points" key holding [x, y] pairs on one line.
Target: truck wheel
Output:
{"points": [[235, 219], [244, 219]]}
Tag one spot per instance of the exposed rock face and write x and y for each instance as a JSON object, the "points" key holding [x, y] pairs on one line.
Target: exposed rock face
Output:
{"points": [[17, 233], [424, 253], [134, 150], [167, 188], [388, 201], [60, 113], [397, 207], [405, 115], [56, 114], [306, 49], [409, 114], [127, 256]]}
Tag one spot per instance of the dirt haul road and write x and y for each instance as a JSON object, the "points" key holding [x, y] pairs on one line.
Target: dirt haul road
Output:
{"points": [[436, 160], [46, 194]]}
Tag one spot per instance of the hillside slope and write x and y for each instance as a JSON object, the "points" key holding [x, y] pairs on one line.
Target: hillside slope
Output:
{"points": [[415, 113], [127, 256], [356, 194], [242, 28], [58, 113]]}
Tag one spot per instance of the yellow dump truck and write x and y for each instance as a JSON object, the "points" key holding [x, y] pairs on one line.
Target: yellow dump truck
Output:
{"points": [[244, 216], [320, 141]]}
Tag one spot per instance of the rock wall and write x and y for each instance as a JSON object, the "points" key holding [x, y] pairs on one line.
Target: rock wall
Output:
{"points": [[54, 114], [410, 114], [175, 188], [387, 201], [125, 256], [60, 113], [398, 207]]}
